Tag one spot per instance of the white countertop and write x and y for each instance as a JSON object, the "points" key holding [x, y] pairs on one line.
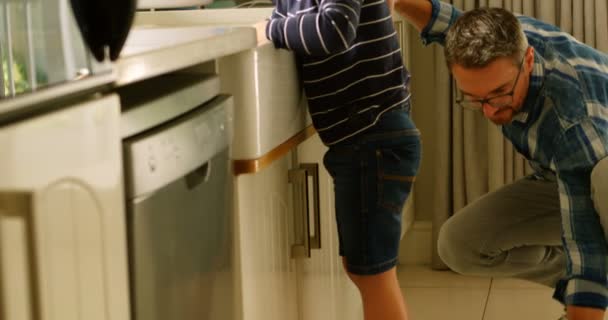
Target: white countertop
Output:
{"points": [[153, 50], [150, 51], [38, 101]]}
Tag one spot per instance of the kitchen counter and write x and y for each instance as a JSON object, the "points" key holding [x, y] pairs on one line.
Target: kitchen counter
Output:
{"points": [[153, 50], [38, 101], [150, 51]]}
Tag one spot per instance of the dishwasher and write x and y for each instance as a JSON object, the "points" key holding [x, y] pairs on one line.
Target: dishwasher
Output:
{"points": [[179, 196]]}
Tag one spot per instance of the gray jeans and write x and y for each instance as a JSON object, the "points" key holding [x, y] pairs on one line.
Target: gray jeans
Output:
{"points": [[515, 231]]}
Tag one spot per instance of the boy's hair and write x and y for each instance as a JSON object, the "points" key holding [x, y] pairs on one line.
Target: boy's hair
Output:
{"points": [[482, 35]]}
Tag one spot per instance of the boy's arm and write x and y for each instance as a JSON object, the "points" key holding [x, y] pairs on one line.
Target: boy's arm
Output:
{"points": [[327, 29], [416, 12], [432, 18]]}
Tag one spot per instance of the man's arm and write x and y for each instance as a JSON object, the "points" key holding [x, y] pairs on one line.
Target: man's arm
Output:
{"points": [[416, 12], [583, 313], [391, 5], [585, 290], [330, 28]]}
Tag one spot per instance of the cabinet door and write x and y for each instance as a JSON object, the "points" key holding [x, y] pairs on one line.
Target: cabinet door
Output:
{"points": [[264, 237], [324, 290], [62, 232]]}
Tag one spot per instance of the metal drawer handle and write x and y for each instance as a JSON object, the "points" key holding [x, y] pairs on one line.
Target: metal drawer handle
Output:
{"points": [[299, 178]]}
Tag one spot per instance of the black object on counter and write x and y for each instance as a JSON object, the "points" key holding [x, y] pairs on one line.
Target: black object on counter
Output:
{"points": [[104, 23]]}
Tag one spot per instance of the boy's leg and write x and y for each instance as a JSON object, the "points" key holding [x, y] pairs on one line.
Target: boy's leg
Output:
{"points": [[512, 232], [381, 295], [372, 179]]}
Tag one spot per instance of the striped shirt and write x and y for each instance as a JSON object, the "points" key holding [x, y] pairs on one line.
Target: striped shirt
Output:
{"points": [[562, 130], [350, 59]]}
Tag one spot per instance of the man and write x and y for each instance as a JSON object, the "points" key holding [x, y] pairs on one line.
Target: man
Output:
{"points": [[549, 94]]}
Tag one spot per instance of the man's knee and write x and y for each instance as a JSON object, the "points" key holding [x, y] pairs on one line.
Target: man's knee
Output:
{"points": [[599, 175], [453, 248]]}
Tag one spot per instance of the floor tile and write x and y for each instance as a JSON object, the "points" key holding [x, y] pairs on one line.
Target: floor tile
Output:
{"points": [[522, 304], [421, 276], [508, 283], [445, 303]]}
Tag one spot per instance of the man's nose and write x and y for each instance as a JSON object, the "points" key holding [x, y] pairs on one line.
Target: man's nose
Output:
{"points": [[489, 110]]}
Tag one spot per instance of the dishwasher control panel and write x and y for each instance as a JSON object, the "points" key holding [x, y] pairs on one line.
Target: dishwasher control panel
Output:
{"points": [[158, 157]]}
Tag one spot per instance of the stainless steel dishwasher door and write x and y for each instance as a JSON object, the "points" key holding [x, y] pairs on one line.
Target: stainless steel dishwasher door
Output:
{"points": [[180, 224]]}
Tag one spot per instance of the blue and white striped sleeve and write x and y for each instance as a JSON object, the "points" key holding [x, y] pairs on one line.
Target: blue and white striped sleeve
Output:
{"points": [[323, 30]]}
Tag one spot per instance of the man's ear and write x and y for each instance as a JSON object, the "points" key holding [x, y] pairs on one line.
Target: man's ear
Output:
{"points": [[530, 57]]}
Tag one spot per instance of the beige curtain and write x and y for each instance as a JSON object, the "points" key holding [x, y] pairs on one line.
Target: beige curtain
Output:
{"points": [[466, 156]]}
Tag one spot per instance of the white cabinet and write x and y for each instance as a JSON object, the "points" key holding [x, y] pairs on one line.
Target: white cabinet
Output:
{"points": [[272, 212], [264, 237], [62, 233], [324, 290], [278, 278]]}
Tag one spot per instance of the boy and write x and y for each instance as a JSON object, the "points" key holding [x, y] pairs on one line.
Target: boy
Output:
{"points": [[358, 96]]}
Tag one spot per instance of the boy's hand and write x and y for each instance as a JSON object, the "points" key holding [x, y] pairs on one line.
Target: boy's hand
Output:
{"points": [[260, 28]]}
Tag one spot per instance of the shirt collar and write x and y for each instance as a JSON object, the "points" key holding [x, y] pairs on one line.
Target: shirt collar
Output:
{"points": [[534, 89]]}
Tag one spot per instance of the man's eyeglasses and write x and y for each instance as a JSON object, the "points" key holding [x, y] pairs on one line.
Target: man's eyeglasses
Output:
{"points": [[499, 101]]}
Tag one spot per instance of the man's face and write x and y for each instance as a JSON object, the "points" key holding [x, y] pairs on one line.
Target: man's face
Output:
{"points": [[499, 88]]}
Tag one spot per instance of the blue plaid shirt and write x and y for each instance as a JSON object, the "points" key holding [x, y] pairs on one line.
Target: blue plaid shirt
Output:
{"points": [[562, 130]]}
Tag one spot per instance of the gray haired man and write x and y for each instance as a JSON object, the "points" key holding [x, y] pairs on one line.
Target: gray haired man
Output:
{"points": [[549, 94]]}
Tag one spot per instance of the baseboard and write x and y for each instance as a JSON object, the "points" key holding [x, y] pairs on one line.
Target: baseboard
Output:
{"points": [[416, 245]]}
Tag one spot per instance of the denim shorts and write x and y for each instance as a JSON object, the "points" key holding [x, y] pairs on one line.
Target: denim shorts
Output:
{"points": [[373, 174]]}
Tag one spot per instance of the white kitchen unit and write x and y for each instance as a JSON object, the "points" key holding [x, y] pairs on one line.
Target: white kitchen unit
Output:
{"points": [[286, 274], [270, 119], [324, 290], [62, 229], [268, 218], [288, 249], [264, 234]]}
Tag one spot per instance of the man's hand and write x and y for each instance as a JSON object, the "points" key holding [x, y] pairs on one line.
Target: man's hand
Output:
{"points": [[582, 313], [260, 28], [391, 5]]}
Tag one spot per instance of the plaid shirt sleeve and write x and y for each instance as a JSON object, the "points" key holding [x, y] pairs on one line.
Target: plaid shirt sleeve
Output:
{"points": [[442, 17], [583, 238]]}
